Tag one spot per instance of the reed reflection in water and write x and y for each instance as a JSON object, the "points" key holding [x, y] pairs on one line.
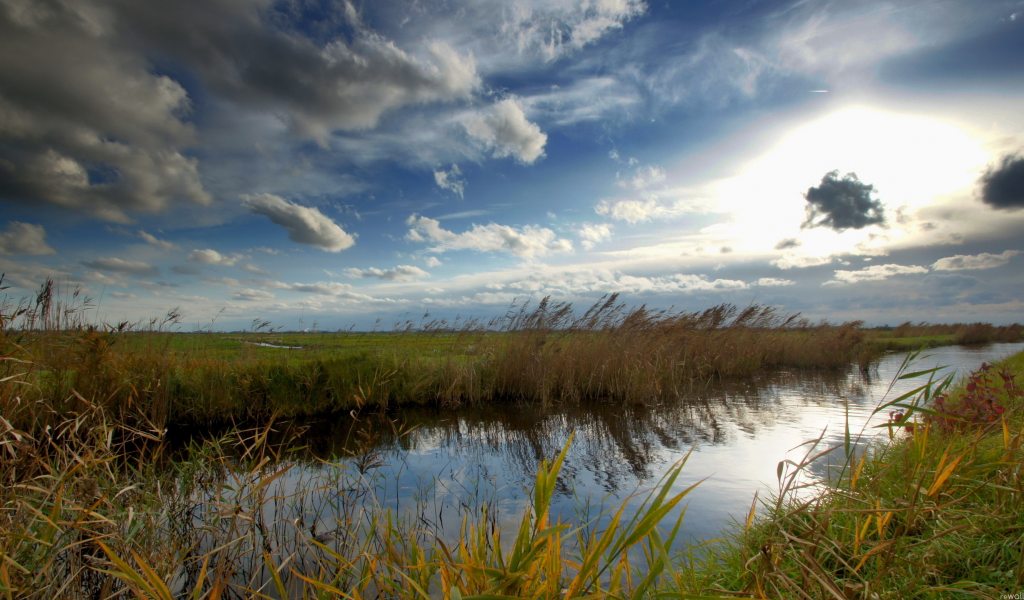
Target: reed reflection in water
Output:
{"points": [[452, 461]]}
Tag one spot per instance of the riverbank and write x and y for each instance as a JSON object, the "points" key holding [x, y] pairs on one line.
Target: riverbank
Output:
{"points": [[94, 508], [935, 512], [540, 354]]}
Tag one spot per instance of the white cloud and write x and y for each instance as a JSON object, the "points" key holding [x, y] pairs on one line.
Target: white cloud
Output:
{"points": [[592, 234], [773, 282], [256, 270], [631, 210], [399, 273], [800, 261], [554, 29], [249, 294], [122, 295], [162, 244], [433, 261], [103, 279], [305, 225], [504, 128], [449, 180], [962, 262], [212, 257], [644, 177], [117, 265], [323, 288], [873, 273], [527, 242], [319, 288], [602, 281], [24, 238]]}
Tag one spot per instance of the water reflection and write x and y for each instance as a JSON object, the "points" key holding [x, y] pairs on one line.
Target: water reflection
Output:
{"points": [[739, 430], [442, 465]]}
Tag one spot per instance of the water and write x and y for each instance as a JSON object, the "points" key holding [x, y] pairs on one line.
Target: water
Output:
{"points": [[738, 432]]}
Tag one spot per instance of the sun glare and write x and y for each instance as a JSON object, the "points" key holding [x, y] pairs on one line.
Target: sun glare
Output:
{"points": [[911, 161]]}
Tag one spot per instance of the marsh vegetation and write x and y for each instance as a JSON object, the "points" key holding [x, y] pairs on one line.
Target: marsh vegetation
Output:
{"points": [[95, 503]]}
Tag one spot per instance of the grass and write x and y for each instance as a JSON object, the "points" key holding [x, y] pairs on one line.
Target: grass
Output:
{"points": [[910, 336], [932, 514], [542, 353], [92, 505], [94, 508]]}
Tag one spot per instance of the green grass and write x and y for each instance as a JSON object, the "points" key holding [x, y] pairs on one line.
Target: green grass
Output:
{"points": [[93, 509], [543, 353], [904, 344], [933, 514]]}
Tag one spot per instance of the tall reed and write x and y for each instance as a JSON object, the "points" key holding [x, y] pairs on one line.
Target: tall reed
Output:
{"points": [[539, 353]]}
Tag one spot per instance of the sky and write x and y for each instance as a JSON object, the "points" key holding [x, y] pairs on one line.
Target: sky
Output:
{"points": [[325, 164]]}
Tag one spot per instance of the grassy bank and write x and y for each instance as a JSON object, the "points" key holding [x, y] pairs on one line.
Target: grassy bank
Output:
{"points": [[93, 507], [910, 336], [936, 513], [539, 353]]}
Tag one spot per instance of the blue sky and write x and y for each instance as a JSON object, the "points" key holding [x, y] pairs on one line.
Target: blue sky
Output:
{"points": [[340, 161]]}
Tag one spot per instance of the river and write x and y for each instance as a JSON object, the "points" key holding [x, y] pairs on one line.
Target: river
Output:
{"points": [[444, 464]]}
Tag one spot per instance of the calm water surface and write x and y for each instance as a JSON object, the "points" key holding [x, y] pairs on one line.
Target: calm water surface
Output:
{"points": [[739, 431]]}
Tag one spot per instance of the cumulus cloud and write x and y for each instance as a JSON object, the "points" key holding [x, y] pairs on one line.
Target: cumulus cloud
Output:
{"points": [[117, 265], [842, 204], [787, 243], [86, 123], [631, 210], [1002, 187], [319, 288], [773, 282], [433, 261], [249, 294], [526, 242], [256, 270], [305, 225], [601, 281], [592, 234], [162, 244], [873, 273], [799, 261], [89, 124], [399, 273], [962, 262], [318, 88], [644, 177], [144, 236], [212, 257], [24, 238], [449, 180], [505, 129]]}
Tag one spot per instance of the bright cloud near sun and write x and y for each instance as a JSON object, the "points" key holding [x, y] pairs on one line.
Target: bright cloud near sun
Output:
{"points": [[910, 162]]}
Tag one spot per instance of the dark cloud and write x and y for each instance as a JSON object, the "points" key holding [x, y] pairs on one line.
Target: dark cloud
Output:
{"points": [[84, 123], [1002, 187], [948, 283], [253, 55], [842, 204], [787, 243], [89, 122], [24, 238], [117, 265], [988, 297]]}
